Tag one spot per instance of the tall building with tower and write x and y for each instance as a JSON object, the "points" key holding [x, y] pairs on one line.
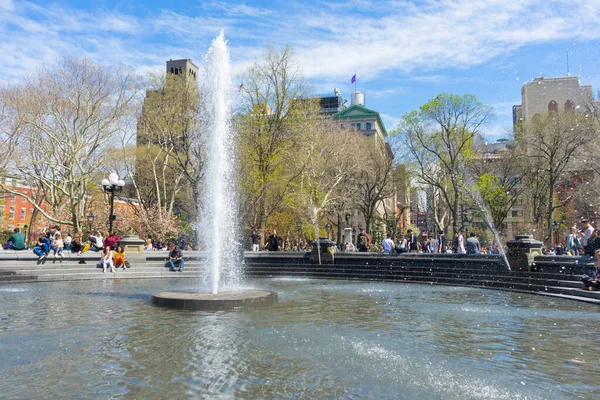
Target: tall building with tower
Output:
{"points": [[184, 67]]}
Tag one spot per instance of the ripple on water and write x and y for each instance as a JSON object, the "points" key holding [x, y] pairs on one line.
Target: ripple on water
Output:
{"points": [[322, 340]]}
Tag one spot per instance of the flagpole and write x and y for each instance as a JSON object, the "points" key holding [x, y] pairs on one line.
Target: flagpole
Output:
{"points": [[354, 81]]}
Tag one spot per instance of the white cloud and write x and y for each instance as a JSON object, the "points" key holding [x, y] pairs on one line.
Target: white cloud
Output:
{"points": [[332, 39]]}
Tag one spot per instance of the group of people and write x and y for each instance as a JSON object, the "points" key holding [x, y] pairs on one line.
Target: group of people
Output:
{"points": [[160, 245], [582, 241], [273, 242], [411, 243]]}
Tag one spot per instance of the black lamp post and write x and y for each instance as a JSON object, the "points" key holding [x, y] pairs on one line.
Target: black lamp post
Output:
{"points": [[328, 229], [299, 226], [112, 185], [90, 220]]}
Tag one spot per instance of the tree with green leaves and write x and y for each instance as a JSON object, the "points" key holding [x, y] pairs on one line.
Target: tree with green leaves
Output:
{"points": [[267, 135], [441, 137]]}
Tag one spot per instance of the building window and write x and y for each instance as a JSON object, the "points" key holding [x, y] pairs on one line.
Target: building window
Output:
{"points": [[11, 213], [515, 213], [569, 106], [13, 197], [553, 106], [368, 126], [358, 126], [23, 213]]}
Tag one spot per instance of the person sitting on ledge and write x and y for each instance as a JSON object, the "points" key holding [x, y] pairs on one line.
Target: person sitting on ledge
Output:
{"points": [[590, 280], [473, 246], [176, 258], [42, 247], [106, 260], [18, 240], [119, 257], [388, 244]]}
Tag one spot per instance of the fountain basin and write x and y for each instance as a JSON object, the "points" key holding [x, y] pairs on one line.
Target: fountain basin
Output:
{"points": [[224, 301]]}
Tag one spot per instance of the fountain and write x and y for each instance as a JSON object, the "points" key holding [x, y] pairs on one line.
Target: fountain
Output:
{"points": [[218, 208]]}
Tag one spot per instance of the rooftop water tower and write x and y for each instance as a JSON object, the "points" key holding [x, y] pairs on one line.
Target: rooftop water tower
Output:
{"points": [[357, 98]]}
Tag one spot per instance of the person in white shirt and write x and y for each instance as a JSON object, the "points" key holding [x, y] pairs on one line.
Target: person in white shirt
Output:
{"points": [[461, 243], [587, 231], [68, 241], [388, 244]]}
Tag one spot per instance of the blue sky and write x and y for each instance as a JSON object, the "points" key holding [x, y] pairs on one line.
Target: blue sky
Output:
{"points": [[404, 52]]}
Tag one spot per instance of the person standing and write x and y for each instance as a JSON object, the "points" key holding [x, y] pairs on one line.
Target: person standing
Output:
{"points": [[363, 241], [588, 229], [573, 242], [443, 243], [460, 249], [255, 241], [273, 242], [388, 244], [413, 245]]}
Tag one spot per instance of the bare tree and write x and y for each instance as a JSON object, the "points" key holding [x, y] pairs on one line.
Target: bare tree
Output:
{"points": [[68, 113], [375, 182], [552, 143], [328, 161]]}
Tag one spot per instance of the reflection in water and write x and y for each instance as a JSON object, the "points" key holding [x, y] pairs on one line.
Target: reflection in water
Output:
{"points": [[323, 340]]}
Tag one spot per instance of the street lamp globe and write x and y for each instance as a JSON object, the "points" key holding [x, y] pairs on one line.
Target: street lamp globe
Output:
{"points": [[112, 185]]}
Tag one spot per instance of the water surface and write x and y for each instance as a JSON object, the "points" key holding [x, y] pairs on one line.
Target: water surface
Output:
{"points": [[324, 340]]}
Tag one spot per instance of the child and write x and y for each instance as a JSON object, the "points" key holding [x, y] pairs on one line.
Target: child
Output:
{"points": [[58, 245]]}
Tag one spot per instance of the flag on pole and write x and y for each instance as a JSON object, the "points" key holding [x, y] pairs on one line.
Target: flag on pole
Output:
{"points": [[241, 87], [353, 78]]}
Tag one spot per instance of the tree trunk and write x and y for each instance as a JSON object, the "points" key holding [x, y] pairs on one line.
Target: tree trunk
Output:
{"points": [[550, 214]]}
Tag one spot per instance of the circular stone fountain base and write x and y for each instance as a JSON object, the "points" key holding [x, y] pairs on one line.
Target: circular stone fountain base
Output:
{"points": [[214, 302]]}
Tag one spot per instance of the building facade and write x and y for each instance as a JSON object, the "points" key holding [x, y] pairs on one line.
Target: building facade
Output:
{"points": [[544, 95]]}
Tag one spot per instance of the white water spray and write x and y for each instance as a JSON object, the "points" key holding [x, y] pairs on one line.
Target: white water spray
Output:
{"points": [[218, 210]]}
